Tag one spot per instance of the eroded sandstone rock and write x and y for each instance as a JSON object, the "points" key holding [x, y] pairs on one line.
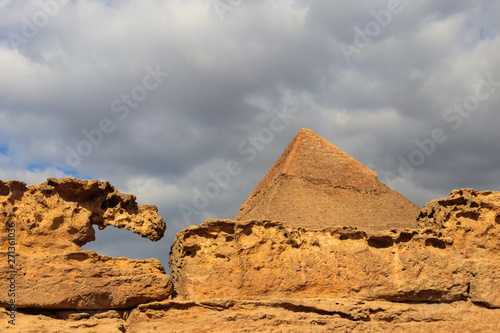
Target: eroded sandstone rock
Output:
{"points": [[85, 280], [262, 259], [47, 224], [275, 315], [453, 256], [233, 276], [310, 315], [64, 321], [472, 219], [58, 215]]}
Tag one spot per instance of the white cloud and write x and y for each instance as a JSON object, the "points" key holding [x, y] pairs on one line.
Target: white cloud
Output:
{"points": [[225, 76]]}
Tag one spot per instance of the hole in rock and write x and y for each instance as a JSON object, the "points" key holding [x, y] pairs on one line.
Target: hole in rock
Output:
{"points": [[191, 251], [4, 190], [354, 236], [57, 222], [111, 202], [435, 242], [380, 242], [116, 242], [469, 215], [404, 237]]}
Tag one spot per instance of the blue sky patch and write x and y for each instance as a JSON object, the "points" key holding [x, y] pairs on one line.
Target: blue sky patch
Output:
{"points": [[4, 150]]}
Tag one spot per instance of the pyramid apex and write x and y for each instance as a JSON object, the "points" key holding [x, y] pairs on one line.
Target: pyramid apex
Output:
{"points": [[311, 156], [307, 131]]}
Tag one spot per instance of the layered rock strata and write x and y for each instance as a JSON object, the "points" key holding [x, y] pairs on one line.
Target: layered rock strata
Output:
{"points": [[472, 219], [264, 260], [276, 315], [85, 280]]}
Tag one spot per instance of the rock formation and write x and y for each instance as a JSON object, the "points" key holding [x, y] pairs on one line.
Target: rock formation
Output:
{"points": [[442, 275], [264, 260], [472, 219], [58, 215], [49, 223], [316, 185]]}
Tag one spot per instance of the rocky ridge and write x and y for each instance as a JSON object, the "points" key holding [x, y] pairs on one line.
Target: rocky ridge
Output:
{"points": [[441, 275], [232, 276], [59, 214], [50, 222], [453, 257]]}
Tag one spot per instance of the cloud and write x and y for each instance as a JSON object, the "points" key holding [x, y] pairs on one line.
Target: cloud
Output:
{"points": [[81, 82]]}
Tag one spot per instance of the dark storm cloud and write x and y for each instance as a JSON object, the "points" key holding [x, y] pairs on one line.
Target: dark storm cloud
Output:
{"points": [[222, 76]]}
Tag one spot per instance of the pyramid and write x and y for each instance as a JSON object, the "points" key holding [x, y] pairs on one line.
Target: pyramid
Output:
{"points": [[314, 184]]}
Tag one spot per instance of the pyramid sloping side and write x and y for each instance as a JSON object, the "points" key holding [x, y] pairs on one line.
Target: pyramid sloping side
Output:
{"points": [[309, 203], [314, 184], [309, 155], [262, 192]]}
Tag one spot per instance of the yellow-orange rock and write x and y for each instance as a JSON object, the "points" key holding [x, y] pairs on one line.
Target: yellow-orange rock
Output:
{"points": [[277, 315], [264, 260], [453, 256], [263, 276], [311, 315], [58, 215], [85, 280], [472, 219], [64, 321], [42, 229]]}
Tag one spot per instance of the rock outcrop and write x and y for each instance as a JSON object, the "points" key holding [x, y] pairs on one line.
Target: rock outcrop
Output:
{"points": [[47, 224], [441, 272], [58, 215], [472, 219], [310, 315], [277, 315], [85, 280], [316, 185], [256, 275], [264, 260]]}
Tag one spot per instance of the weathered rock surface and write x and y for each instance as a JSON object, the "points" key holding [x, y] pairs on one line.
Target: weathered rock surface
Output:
{"points": [[86, 280], [262, 276], [310, 315], [454, 256], [277, 315], [39, 321], [58, 215], [262, 259], [45, 226], [472, 219]]}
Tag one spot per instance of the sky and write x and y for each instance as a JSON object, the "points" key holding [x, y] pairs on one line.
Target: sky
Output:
{"points": [[188, 103]]}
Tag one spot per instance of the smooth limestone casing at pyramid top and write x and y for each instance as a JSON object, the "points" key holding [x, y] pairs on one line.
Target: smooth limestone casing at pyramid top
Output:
{"points": [[314, 184]]}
